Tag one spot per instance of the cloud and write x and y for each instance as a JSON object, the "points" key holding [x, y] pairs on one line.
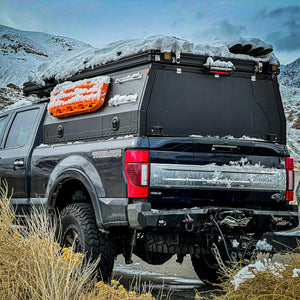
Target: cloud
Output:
{"points": [[223, 29], [283, 11], [286, 25], [287, 42]]}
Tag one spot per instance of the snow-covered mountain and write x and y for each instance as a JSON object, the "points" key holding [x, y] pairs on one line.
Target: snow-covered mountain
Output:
{"points": [[291, 102], [290, 74], [21, 52], [290, 92]]}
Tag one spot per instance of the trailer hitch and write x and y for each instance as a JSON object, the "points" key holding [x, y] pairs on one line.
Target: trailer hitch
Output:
{"points": [[234, 218]]}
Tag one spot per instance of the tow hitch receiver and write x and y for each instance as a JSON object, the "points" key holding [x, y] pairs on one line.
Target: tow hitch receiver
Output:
{"points": [[234, 218]]}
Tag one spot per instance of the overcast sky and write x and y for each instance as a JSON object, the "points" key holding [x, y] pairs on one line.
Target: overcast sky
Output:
{"points": [[99, 22]]}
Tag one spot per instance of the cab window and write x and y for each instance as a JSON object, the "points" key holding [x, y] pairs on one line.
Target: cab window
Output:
{"points": [[21, 128]]}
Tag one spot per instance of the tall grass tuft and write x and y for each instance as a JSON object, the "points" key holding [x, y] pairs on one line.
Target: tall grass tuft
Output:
{"points": [[33, 265], [275, 280]]}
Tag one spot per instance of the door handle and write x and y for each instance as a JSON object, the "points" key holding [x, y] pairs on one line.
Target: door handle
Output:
{"points": [[19, 164]]}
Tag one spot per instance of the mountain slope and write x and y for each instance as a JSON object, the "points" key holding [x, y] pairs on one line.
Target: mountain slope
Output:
{"points": [[21, 52], [290, 92], [291, 102], [290, 75]]}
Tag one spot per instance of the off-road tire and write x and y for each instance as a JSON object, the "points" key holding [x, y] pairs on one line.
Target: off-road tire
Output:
{"points": [[206, 268], [78, 219]]}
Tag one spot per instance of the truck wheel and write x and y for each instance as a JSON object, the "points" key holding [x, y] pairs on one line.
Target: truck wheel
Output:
{"points": [[80, 231], [206, 268]]}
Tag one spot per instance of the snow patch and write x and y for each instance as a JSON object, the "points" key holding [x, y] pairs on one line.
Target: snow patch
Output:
{"points": [[296, 272], [76, 61], [252, 41], [219, 64], [263, 245], [243, 162], [251, 270], [23, 102], [228, 137], [244, 137], [122, 99], [71, 63], [235, 243]]}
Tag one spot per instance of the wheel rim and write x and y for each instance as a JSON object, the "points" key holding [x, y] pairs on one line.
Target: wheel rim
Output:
{"points": [[71, 239]]}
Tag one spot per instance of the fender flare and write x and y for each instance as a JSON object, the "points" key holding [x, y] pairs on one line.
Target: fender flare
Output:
{"points": [[79, 168]]}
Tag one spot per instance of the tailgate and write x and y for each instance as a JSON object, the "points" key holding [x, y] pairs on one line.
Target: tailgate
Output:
{"points": [[204, 171]]}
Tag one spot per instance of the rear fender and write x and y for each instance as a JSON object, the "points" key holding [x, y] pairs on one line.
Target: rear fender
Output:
{"points": [[79, 168]]}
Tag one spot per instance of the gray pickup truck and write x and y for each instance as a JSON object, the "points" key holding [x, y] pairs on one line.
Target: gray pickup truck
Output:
{"points": [[182, 159]]}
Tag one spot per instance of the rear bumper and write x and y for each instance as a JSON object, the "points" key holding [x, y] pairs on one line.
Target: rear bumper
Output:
{"points": [[197, 219]]}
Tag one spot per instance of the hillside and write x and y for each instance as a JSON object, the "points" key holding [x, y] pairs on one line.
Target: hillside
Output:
{"points": [[21, 52], [290, 74], [291, 102]]}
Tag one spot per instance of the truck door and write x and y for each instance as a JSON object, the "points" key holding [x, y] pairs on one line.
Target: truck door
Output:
{"points": [[16, 147]]}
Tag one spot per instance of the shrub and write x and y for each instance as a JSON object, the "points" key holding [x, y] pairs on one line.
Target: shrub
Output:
{"points": [[264, 279], [33, 265]]}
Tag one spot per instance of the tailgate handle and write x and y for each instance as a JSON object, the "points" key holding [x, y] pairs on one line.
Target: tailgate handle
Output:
{"points": [[223, 148]]}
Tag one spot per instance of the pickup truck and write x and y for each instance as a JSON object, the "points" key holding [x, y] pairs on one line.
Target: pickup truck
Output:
{"points": [[184, 158]]}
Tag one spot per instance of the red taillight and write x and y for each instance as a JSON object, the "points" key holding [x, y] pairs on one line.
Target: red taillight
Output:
{"points": [[289, 179], [137, 172]]}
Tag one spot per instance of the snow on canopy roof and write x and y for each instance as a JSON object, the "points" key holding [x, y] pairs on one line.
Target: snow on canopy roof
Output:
{"points": [[73, 62]]}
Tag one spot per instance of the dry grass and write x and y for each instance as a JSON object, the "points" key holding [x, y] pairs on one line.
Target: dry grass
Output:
{"points": [[33, 265], [265, 285]]}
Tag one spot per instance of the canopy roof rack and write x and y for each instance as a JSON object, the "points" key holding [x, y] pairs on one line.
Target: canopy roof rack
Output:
{"points": [[151, 56]]}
